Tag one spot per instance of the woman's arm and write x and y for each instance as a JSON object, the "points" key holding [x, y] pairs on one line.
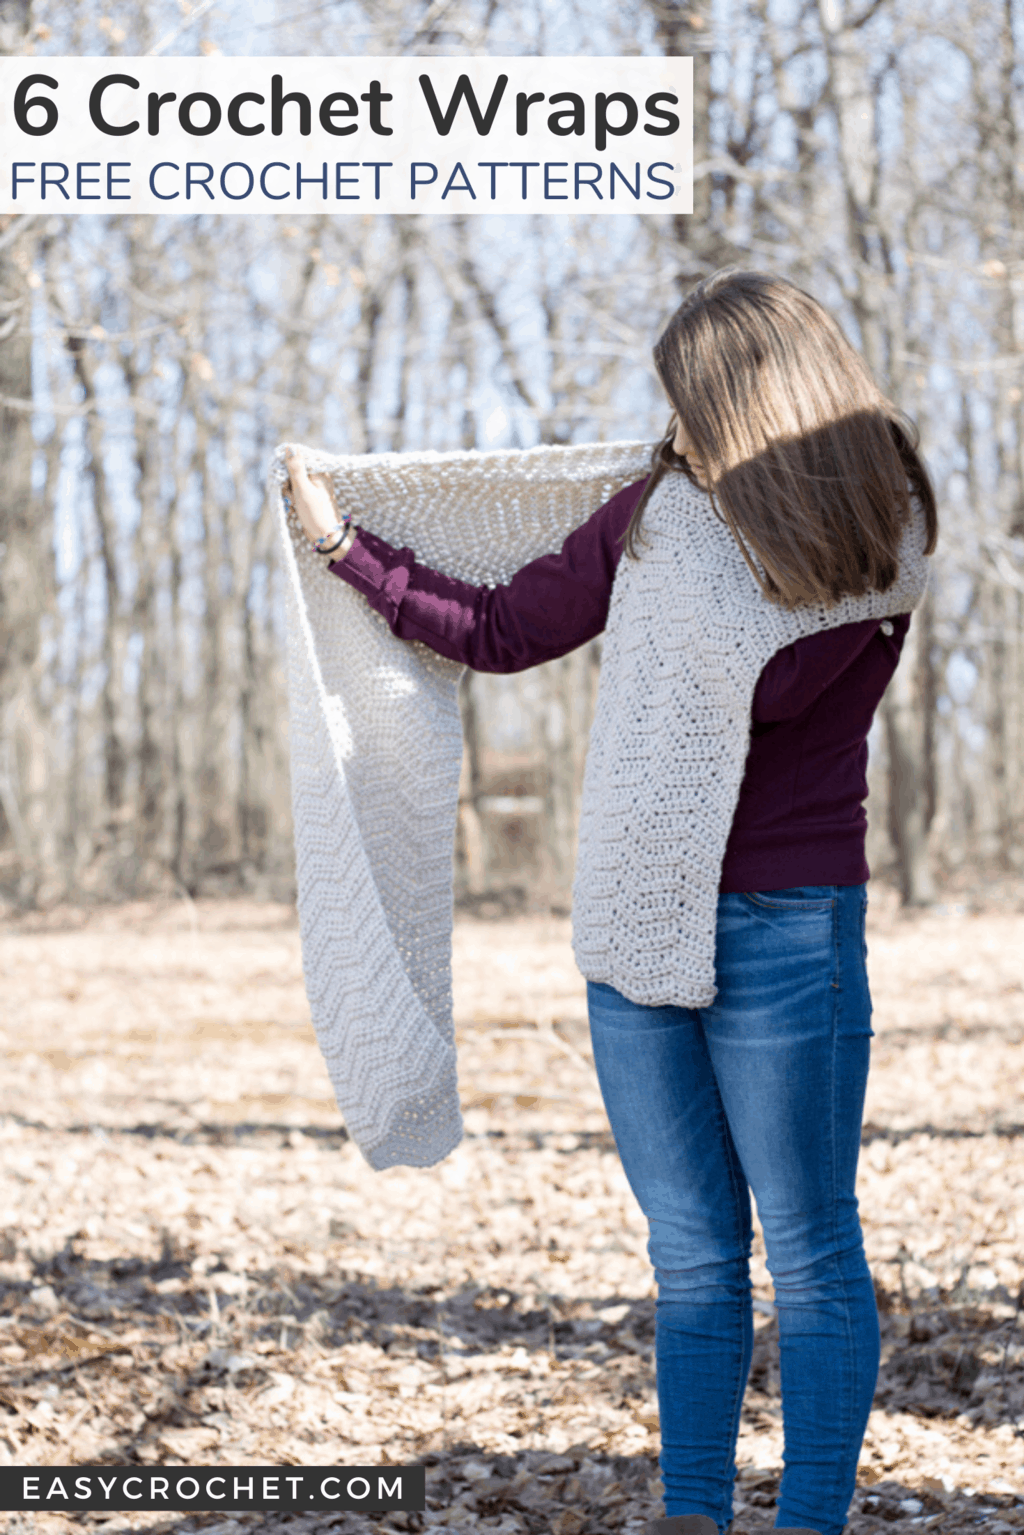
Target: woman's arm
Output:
{"points": [[550, 606], [798, 675]]}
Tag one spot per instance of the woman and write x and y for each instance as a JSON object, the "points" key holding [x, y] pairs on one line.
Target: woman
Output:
{"points": [[735, 703]]}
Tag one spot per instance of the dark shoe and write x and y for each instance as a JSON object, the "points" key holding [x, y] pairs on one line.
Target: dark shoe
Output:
{"points": [[682, 1524]]}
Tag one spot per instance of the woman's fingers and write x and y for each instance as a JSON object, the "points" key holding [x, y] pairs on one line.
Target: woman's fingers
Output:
{"points": [[297, 472], [312, 497], [295, 465], [299, 475]]}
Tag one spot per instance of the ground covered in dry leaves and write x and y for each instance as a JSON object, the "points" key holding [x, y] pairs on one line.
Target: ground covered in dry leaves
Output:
{"points": [[196, 1266]]}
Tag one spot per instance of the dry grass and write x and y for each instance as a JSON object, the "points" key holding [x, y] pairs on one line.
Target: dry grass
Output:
{"points": [[197, 1266]]}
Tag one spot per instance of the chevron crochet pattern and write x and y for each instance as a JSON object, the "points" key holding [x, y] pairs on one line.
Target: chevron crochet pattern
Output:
{"points": [[376, 747], [376, 750], [689, 631]]}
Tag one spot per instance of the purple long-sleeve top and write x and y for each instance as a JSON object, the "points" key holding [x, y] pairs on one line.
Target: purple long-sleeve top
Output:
{"points": [[800, 817]]}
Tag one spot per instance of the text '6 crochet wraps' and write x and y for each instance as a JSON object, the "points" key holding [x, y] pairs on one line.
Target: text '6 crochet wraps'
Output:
{"points": [[376, 749]]}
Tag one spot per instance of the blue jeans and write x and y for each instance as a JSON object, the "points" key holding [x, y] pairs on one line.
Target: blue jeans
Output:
{"points": [[764, 1092]]}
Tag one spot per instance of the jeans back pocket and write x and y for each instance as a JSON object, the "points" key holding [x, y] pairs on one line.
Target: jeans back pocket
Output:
{"points": [[796, 898]]}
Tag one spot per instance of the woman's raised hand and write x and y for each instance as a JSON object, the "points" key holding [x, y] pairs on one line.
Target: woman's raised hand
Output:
{"points": [[310, 496]]}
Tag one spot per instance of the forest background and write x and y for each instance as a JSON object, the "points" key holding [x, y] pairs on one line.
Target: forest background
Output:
{"points": [[195, 1264], [872, 151]]}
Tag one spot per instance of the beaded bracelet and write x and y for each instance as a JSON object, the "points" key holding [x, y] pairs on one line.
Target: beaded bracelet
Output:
{"points": [[321, 544], [339, 550], [347, 528]]}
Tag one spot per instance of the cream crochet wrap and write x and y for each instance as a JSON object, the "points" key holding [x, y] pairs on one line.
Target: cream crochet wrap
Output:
{"points": [[376, 749]]}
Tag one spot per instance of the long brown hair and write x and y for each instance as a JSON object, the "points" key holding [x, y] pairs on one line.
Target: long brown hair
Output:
{"points": [[805, 460]]}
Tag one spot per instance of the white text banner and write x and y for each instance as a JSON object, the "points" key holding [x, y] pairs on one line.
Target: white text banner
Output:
{"points": [[346, 135]]}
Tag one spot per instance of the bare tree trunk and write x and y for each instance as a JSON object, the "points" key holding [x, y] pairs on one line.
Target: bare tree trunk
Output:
{"points": [[473, 843], [1005, 766], [181, 863], [683, 30], [560, 794], [568, 714], [26, 584], [257, 758], [212, 769], [911, 785], [150, 749], [115, 749], [411, 323]]}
